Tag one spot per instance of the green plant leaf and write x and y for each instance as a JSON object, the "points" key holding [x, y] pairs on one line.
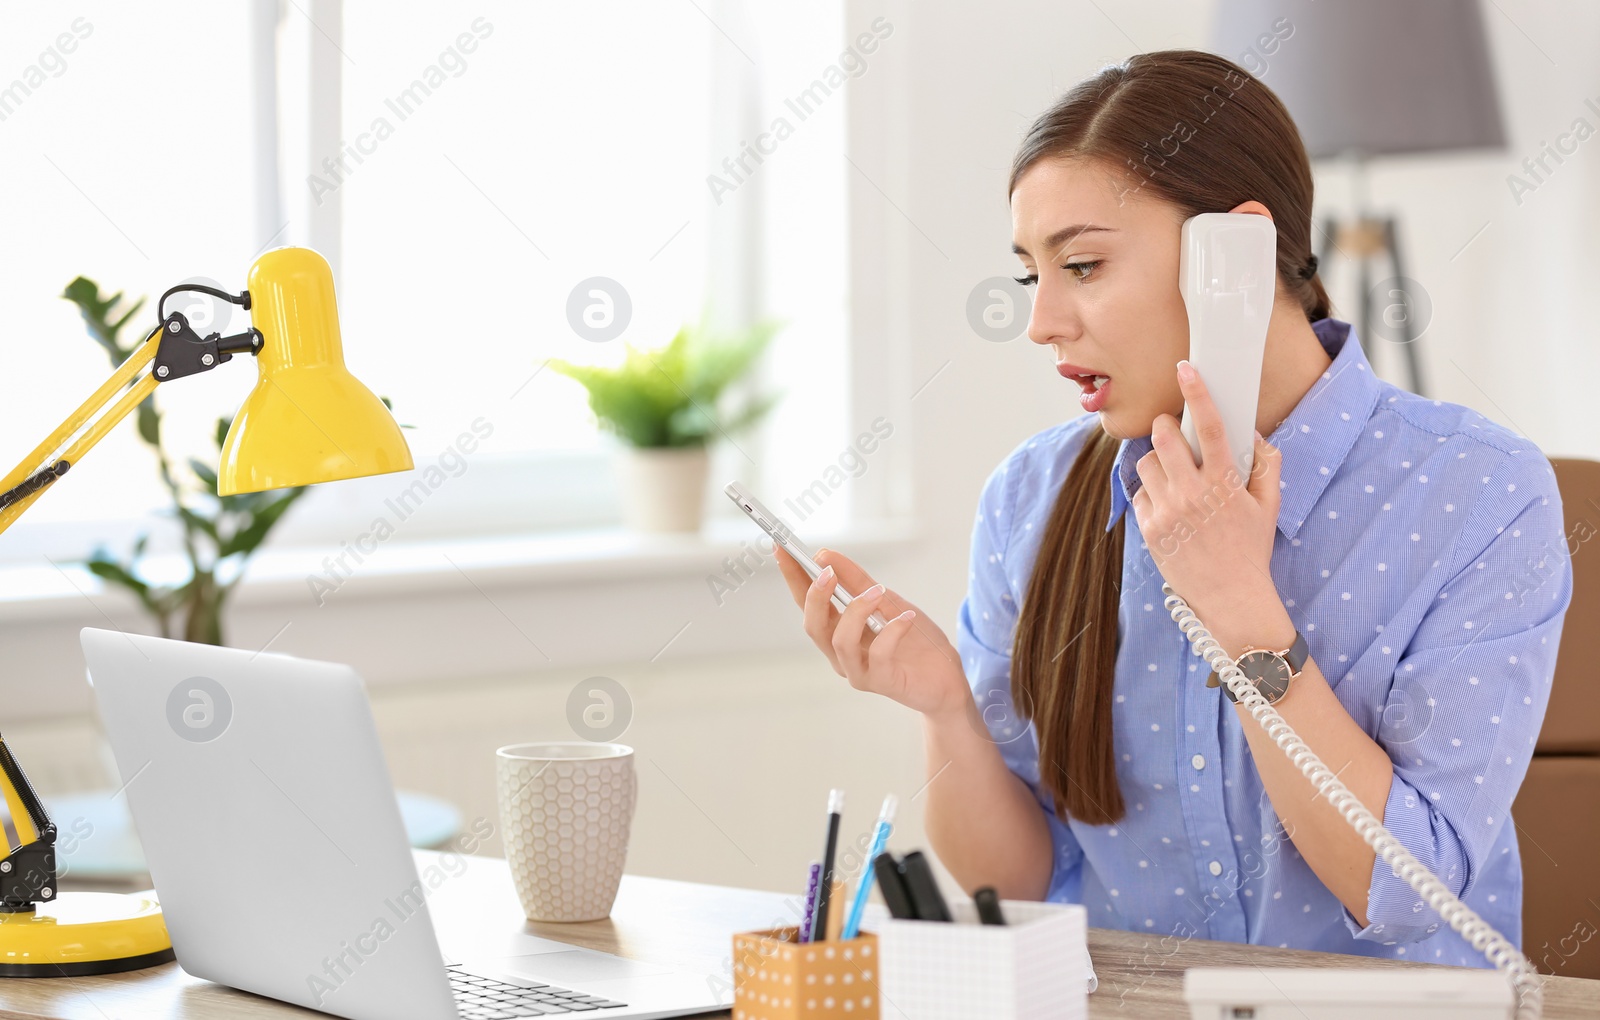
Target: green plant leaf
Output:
{"points": [[262, 522], [690, 426], [243, 503], [390, 405], [205, 473], [668, 397], [85, 293], [102, 566], [96, 311], [223, 425], [716, 364], [149, 422], [106, 331], [634, 400], [126, 317], [170, 600], [752, 412], [200, 523]]}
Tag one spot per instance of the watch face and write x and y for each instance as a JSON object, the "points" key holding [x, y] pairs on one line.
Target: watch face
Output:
{"points": [[1269, 671]]}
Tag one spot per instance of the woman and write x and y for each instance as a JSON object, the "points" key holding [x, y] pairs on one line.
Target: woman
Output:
{"points": [[1075, 751]]}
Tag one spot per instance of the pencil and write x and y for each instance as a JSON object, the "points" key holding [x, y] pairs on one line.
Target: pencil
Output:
{"points": [[819, 919]]}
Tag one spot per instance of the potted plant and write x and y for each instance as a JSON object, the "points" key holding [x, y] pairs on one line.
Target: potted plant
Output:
{"points": [[219, 532], [663, 405]]}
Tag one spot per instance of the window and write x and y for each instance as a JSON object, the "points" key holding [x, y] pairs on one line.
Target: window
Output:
{"points": [[119, 168], [486, 161]]}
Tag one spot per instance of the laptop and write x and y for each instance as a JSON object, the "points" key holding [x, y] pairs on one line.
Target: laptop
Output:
{"points": [[273, 838]]}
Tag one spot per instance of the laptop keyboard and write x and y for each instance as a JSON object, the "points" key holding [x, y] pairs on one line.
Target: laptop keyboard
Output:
{"points": [[481, 998]]}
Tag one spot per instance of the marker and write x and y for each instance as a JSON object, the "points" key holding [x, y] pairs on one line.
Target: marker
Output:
{"points": [[819, 917], [988, 903], [893, 887], [926, 899], [812, 883], [880, 836]]}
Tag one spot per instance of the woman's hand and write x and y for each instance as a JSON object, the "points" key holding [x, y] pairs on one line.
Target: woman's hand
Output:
{"points": [[1209, 530], [910, 660]]}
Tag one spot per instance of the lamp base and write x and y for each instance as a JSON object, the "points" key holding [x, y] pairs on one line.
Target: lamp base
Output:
{"points": [[79, 934]]}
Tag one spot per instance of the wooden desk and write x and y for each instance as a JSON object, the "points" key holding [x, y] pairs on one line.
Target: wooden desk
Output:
{"points": [[688, 926]]}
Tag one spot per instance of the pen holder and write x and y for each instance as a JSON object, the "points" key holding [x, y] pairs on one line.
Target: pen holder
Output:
{"points": [[1034, 967], [777, 978]]}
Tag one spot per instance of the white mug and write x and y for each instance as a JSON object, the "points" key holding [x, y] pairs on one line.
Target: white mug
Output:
{"points": [[566, 808]]}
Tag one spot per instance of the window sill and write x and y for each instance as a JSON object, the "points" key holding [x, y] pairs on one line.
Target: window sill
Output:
{"points": [[278, 577]]}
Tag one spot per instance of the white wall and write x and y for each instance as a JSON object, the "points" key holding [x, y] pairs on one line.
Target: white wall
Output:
{"points": [[740, 696], [1509, 335]]}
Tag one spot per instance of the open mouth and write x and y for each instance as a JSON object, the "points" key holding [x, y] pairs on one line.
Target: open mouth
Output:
{"points": [[1093, 384], [1089, 381]]}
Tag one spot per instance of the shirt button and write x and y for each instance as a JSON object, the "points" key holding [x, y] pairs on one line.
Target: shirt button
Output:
{"points": [[1214, 868], [1198, 761]]}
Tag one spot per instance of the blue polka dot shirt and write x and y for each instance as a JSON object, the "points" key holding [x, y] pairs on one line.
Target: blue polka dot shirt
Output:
{"points": [[1421, 551]]}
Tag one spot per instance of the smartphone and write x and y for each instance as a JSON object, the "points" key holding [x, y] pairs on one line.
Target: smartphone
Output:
{"points": [[784, 536], [1227, 274]]}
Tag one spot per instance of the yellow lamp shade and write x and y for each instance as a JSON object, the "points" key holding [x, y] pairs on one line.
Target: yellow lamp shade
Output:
{"points": [[308, 419]]}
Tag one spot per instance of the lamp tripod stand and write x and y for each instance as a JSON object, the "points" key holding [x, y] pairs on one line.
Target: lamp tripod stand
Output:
{"points": [[1366, 240]]}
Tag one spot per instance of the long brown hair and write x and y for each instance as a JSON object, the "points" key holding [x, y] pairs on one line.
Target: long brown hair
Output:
{"points": [[1200, 132]]}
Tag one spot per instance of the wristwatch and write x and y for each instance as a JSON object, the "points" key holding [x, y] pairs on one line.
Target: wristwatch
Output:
{"points": [[1270, 670]]}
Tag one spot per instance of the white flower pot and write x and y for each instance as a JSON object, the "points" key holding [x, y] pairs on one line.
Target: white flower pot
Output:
{"points": [[663, 489]]}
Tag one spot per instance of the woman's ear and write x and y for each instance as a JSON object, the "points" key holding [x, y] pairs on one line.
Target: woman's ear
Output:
{"points": [[1252, 206]]}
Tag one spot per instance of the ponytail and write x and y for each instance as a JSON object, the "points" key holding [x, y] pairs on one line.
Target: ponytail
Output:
{"points": [[1065, 653]]}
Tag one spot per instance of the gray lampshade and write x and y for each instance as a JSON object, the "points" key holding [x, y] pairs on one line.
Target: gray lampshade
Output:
{"points": [[1371, 77]]}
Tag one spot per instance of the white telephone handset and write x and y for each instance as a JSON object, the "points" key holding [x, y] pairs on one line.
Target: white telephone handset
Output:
{"points": [[1227, 271]]}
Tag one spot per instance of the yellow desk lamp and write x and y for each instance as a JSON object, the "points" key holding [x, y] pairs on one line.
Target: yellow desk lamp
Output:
{"points": [[307, 420]]}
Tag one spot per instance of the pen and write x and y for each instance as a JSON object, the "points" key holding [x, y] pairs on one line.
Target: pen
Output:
{"points": [[880, 836], [819, 917], [813, 881]]}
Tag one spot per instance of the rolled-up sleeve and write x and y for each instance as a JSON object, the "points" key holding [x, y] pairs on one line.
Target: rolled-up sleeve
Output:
{"points": [[1469, 694], [985, 629]]}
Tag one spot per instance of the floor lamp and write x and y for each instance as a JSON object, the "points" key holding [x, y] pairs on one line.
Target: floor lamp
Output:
{"points": [[1366, 79]]}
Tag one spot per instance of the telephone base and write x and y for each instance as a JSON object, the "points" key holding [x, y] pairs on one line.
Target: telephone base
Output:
{"points": [[1346, 993]]}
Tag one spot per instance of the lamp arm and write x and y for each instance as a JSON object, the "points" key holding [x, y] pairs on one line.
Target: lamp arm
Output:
{"points": [[34, 474], [178, 352], [27, 835], [28, 839]]}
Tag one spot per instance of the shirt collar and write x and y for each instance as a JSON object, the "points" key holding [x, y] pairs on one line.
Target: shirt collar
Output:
{"points": [[1323, 426]]}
